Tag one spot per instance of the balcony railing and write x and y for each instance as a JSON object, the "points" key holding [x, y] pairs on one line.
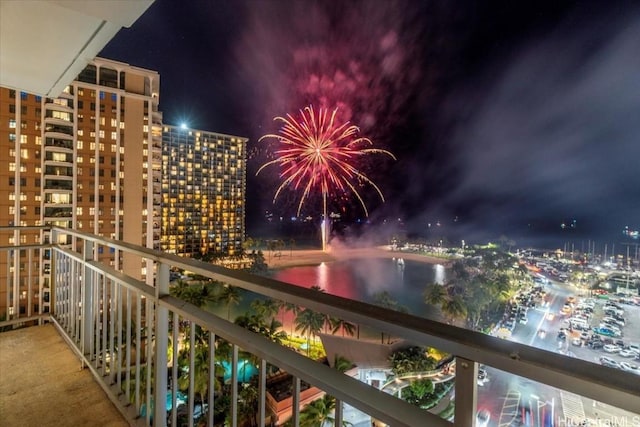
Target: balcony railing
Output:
{"points": [[126, 332]]}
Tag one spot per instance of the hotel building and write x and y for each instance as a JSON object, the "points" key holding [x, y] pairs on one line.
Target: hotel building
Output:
{"points": [[65, 161], [203, 192]]}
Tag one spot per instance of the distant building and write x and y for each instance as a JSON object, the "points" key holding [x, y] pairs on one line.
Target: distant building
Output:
{"points": [[203, 192]]}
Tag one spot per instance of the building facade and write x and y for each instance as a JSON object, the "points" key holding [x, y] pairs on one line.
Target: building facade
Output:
{"points": [[203, 192], [65, 162]]}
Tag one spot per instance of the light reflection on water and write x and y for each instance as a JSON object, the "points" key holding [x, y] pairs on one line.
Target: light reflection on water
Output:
{"points": [[361, 279]]}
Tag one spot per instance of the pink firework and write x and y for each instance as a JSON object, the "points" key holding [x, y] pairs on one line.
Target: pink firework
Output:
{"points": [[317, 154]]}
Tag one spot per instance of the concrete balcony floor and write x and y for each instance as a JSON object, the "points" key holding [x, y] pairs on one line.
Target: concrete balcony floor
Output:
{"points": [[42, 383]]}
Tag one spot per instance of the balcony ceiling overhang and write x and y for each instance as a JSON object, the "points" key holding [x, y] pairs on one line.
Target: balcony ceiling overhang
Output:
{"points": [[44, 44]]}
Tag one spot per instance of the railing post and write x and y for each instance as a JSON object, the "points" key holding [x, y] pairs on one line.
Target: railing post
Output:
{"points": [[161, 345], [466, 392], [87, 299]]}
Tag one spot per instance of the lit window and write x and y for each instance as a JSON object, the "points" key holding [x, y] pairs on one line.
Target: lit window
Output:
{"points": [[12, 123]]}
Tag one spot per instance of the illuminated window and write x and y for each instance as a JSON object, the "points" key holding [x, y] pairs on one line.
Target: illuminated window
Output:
{"points": [[12, 123]]}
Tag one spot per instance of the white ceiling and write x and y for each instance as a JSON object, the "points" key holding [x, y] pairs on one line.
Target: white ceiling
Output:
{"points": [[44, 44]]}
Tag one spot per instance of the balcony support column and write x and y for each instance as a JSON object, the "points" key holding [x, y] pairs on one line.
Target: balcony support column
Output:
{"points": [[87, 299], [466, 392], [161, 343]]}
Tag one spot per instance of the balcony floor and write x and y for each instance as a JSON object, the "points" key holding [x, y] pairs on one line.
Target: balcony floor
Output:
{"points": [[41, 383]]}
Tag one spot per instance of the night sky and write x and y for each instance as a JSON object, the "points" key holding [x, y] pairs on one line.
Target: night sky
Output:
{"points": [[506, 117]]}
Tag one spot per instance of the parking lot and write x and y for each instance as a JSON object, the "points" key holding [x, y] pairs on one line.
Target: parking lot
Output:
{"points": [[608, 333]]}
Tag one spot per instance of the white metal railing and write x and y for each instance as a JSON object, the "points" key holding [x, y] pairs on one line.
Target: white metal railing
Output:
{"points": [[125, 332]]}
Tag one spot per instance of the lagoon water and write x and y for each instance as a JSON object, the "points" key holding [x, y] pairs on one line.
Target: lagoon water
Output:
{"points": [[361, 279]]}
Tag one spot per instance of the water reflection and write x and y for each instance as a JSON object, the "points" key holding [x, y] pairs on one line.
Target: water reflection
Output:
{"points": [[361, 279]]}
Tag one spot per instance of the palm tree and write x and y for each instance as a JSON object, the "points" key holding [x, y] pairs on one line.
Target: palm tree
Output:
{"points": [[292, 244], [287, 306], [454, 308], [266, 308], [435, 294], [309, 322], [273, 331], [318, 412], [248, 399], [340, 324], [252, 322], [341, 364], [230, 295]]}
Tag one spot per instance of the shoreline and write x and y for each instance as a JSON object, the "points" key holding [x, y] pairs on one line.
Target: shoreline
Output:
{"points": [[302, 257]]}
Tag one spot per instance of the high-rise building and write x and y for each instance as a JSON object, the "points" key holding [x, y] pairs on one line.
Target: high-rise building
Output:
{"points": [[89, 160], [203, 192]]}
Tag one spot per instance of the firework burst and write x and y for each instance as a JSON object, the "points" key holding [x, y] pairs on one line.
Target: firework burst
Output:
{"points": [[318, 154]]}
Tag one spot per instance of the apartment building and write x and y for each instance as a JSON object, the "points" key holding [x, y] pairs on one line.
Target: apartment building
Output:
{"points": [[89, 160], [203, 192]]}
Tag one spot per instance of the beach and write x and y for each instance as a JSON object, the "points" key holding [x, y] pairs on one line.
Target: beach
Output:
{"points": [[298, 257]]}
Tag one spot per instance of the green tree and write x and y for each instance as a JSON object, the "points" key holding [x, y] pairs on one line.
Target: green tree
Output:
{"points": [[435, 294], [197, 294], [318, 412], [421, 388], [454, 308], [340, 324], [341, 364], [230, 295], [294, 309], [309, 322], [266, 308]]}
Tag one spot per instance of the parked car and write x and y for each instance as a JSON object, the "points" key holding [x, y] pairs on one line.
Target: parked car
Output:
{"points": [[630, 367], [607, 361], [611, 348], [613, 312], [617, 331], [607, 332], [596, 344], [613, 321], [628, 353], [634, 346]]}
